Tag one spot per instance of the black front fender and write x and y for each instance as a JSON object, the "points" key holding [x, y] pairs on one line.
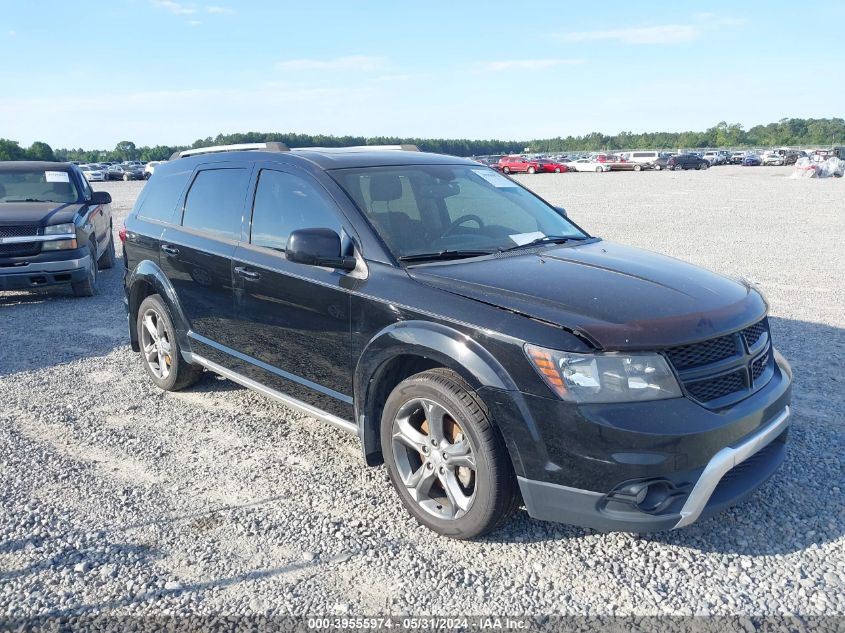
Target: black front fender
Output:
{"points": [[440, 344]]}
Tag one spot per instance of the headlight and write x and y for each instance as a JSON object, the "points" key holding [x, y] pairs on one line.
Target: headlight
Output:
{"points": [[585, 378], [60, 229]]}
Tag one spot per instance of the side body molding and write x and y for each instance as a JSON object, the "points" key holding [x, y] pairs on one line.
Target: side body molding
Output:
{"points": [[146, 275]]}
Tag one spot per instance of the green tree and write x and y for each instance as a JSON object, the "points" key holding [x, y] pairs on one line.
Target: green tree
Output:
{"points": [[40, 151], [11, 150], [126, 150]]}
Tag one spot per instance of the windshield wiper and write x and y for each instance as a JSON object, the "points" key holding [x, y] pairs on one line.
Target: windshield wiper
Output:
{"points": [[445, 254], [546, 239], [29, 200]]}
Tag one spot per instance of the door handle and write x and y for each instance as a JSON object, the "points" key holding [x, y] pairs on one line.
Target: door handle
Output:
{"points": [[246, 273], [170, 250]]}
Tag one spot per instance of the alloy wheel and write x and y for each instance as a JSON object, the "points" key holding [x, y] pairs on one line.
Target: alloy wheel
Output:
{"points": [[156, 344], [434, 458]]}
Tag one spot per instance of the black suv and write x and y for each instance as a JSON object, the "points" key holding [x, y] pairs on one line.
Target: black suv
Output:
{"points": [[687, 161], [482, 345], [53, 228]]}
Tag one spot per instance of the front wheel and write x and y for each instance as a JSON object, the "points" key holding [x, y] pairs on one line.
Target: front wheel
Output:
{"points": [[125, 177], [88, 286], [531, 170], [557, 170], [107, 258], [638, 167], [507, 170], [445, 458], [160, 347], [599, 170]]}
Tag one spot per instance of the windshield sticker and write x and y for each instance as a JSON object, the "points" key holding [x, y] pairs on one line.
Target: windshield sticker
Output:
{"points": [[56, 176], [495, 179], [526, 238]]}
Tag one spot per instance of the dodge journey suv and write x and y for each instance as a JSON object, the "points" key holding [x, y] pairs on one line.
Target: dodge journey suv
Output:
{"points": [[483, 346]]}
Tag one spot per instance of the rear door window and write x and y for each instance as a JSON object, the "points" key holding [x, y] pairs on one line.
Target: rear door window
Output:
{"points": [[215, 202]]}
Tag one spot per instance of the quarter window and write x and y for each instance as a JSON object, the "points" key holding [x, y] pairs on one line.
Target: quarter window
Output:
{"points": [[215, 202], [285, 203]]}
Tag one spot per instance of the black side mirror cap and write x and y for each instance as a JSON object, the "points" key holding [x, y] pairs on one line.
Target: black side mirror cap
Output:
{"points": [[562, 211], [317, 247], [100, 197]]}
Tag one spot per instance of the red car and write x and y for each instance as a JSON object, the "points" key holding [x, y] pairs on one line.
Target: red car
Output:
{"points": [[519, 164], [552, 166]]}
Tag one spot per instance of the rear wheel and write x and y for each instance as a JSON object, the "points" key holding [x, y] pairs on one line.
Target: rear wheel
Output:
{"points": [[557, 170], [445, 458], [638, 167], [160, 349], [507, 170], [599, 170], [125, 177]]}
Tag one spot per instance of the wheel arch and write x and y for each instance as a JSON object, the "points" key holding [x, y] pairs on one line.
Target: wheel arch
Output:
{"points": [[148, 279], [404, 349]]}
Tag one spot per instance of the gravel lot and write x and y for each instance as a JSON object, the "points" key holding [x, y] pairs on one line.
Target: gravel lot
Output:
{"points": [[118, 498]]}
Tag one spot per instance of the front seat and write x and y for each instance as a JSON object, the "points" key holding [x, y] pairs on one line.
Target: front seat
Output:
{"points": [[403, 233]]}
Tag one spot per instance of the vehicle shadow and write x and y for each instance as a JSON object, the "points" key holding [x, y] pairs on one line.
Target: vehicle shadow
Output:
{"points": [[50, 326], [804, 503]]}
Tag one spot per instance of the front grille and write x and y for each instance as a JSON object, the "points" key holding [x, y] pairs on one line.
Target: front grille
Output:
{"points": [[752, 334], [712, 371], [21, 249], [714, 350], [19, 230], [712, 388], [759, 366]]}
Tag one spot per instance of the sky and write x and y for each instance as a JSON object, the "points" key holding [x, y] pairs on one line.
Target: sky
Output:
{"points": [[169, 72]]}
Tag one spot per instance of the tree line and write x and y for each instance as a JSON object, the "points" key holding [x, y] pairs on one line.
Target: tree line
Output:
{"points": [[815, 132]]}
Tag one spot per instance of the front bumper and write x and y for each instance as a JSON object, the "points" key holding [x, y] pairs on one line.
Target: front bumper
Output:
{"points": [[642, 467], [38, 271]]}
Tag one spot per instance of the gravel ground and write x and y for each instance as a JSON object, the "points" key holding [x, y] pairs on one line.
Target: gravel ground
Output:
{"points": [[118, 498]]}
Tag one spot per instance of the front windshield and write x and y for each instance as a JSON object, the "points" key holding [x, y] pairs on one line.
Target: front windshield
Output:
{"points": [[37, 185], [421, 209]]}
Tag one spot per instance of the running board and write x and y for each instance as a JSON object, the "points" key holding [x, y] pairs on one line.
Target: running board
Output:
{"points": [[293, 403]]}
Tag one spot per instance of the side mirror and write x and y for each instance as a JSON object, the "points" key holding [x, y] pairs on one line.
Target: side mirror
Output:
{"points": [[317, 247], [101, 197], [562, 211]]}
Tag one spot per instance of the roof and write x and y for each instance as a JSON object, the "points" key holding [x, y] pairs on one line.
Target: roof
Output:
{"points": [[325, 158], [33, 165]]}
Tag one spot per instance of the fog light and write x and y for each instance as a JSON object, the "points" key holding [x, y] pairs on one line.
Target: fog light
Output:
{"points": [[650, 496]]}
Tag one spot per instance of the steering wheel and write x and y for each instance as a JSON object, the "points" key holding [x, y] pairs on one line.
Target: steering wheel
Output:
{"points": [[464, 218]]}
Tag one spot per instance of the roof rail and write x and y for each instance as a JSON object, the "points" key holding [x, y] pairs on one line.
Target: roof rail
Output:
{"points": [[270, 146], [360, 148]]}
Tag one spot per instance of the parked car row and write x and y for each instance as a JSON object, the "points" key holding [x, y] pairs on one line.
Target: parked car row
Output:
{"points": [[112, 170]]}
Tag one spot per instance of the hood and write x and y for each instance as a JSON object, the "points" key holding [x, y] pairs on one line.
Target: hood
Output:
{"points": [[618, 297], [41, 213]]}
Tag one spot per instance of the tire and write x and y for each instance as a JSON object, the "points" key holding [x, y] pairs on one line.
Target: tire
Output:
{"points": [[482, 497], [125, 177], [87, 287], [160, 352], [657, 168], [107, 259], [638, 167], [557, 170], [703, 166], [507, 170], [531, 170], [599, 170]]}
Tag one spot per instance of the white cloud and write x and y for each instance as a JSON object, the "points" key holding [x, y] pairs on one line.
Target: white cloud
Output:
{"points": [[351, 62], [176, 8], [529, 64], [660, 34], [194, 22], [219, 9], [12, 33]]}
